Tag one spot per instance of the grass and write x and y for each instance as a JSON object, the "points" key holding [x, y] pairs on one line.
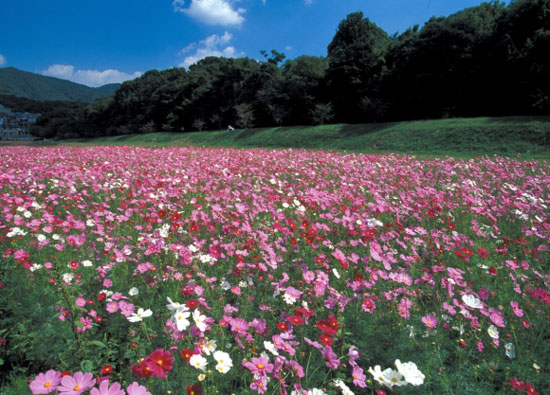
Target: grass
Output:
{"points": [[528, 136]]}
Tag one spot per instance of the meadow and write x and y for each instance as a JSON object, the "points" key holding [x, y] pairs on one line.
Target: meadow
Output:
{"points": [[186, 270]]}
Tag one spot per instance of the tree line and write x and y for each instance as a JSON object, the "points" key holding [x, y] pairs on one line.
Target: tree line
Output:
{"points": [[493, 59]]}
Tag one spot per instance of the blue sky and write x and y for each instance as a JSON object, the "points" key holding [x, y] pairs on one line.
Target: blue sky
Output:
{"points": [[103, 41]]}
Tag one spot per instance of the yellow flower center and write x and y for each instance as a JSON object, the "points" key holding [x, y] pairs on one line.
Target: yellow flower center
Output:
{"points": [[260, 366], [159, 362], [47, 384], [394, 379], [76, 388]]}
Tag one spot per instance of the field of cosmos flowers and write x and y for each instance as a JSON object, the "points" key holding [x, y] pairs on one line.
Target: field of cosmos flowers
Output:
{"points": [[130, 270]]}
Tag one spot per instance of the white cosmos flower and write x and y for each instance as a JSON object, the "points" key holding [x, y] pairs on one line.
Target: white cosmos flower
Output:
{"points": [[173, 306], [493, 332], [140, 315], [343, 387], [388, 377], [34, 267], [199, 320], [41, 237], [133, 291], [471, 301], [68, 277], [271, 347], [87, 263], [198, 362], [510, 350], [180, 317], [224, 361], [209, 347], [410, 372]]}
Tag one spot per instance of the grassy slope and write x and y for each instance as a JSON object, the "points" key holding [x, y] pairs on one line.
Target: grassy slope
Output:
{"points": [[466, 136]]}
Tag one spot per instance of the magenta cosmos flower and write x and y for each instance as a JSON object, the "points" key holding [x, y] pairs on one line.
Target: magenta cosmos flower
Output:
{"points": [[136, 389], [104, 389], [45, 383], [76, 384], [259, 366], [430, 321]]}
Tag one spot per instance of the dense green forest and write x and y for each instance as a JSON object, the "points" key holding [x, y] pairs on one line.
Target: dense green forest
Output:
{"points": [[493, 59]]}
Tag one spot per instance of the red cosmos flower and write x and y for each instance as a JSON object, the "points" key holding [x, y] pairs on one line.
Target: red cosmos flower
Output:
{"points": [[141, 370], [482, 252], [195, 389], [282, 326], [159, 362], [296, 320], [101, 296], [517, 384], [303, 312], [65, 373], [326, 339], [326, 327], [187, 353], [107, 369], [493, 270], [530, 390], [333, 322], [192, 303]]}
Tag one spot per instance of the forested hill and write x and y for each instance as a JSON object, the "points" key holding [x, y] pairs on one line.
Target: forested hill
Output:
{"points": [[489, 60], [38, 87]]}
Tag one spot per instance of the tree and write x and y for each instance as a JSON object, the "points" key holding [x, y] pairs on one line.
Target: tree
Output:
{"points": [[356, 64], [244, 115], [321, 113], [198, 124]]}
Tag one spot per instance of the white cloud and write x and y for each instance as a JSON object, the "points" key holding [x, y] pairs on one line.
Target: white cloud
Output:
{"points": [[88, 77], [212, 12], [213, 45], [3, 60]]}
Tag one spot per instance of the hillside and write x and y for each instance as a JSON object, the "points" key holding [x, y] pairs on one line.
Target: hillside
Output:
{"points": [[529, 136], [38, 87]]}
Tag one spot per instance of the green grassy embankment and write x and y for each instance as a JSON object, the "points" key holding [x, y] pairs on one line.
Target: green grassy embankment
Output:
{"points": [[457, 136]]}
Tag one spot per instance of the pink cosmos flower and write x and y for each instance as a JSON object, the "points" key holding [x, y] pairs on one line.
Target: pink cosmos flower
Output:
{"points": [[45, 383], [369, 305], [86, 324], [480, 346], [126, 309], [136, 389], [359, 377], [112, 307], [259, 385], [515, 307], [430, 321], [104, 389], [80, 302], [403, 307], [76, 384], [238, 326], [259, 366], [496, 317], [332, 359]]}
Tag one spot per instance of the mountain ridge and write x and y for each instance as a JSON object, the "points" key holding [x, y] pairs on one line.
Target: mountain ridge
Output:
{"points": [[42, 88]]}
